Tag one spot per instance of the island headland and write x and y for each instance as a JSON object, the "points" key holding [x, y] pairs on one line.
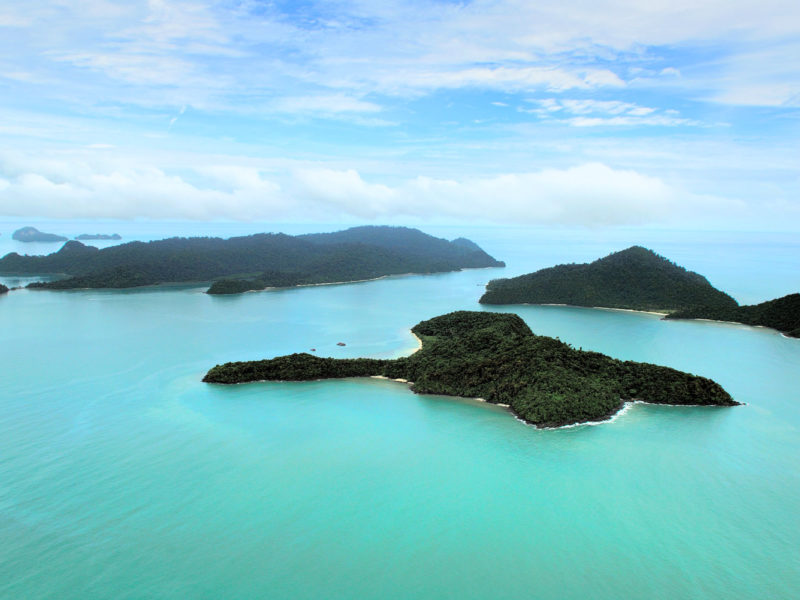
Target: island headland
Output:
{"points": [[253, 262], [496, 357], [31, 234], [3, 289], [640, 279], [635, 278]]}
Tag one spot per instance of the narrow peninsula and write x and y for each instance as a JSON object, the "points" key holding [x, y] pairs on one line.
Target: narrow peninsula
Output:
{"points": [[636, 279], [253, 262], [31, 234], [782, 314], [496, 357]]}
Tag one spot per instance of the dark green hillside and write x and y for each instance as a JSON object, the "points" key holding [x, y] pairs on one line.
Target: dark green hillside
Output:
{"points": [[496, 357], [411, 243], [251, 262], [636, 278], [782, 314]]}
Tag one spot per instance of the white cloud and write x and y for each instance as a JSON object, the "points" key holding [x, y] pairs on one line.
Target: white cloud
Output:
{"points": [[11, 19], [324, 104], [107, 188], [763, 75], [343, 193], [176, 117], [587, 194], [602, 113], [628, 121], [236, 50], [140, 69], [504, 78]]}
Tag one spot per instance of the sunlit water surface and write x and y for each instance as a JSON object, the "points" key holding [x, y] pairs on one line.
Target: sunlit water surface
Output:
{"points": [[122, 475]]}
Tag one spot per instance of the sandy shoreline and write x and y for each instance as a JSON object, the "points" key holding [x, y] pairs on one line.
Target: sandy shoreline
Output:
{"points": [[743, 325], [663, 314], [626, 406], [419, 343], [645, 312], [410, 383], [632, 310], [482, 400], [299, 285]]}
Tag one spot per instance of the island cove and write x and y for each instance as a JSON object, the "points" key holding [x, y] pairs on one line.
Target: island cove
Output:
{"points": [[496, 357], [253, 262], [641, 280]]}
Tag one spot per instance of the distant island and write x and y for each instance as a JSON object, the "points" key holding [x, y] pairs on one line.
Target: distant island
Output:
{"points": [[98, 236], [782, 314], [496, 357], [636, 278], [31, 234], [253, 262], [3, 289]]}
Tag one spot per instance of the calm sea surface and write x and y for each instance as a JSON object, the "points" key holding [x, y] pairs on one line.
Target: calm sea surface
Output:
{"points": [[122, 475]]}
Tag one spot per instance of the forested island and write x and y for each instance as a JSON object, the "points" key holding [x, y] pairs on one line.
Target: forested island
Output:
{"points": [[496, 357], [3, 289], [640, 279], [782, 314], [31, 234], [98, 236], [253, 262], [636, 278]]}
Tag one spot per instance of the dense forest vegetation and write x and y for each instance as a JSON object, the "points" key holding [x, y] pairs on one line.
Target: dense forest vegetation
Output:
{"points": [[3, 289], [253, 262], [636, 278], [495, 356], [640, 279], [782, 314]]}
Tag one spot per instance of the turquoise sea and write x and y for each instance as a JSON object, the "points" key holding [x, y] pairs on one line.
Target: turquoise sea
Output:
{"points": [[123, 476]]}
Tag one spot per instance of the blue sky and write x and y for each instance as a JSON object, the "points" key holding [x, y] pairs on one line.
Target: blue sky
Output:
{"points": [[656, 113]]}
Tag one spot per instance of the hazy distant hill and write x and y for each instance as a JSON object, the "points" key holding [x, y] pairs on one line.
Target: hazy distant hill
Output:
{"points": [[31, 234], [98, 236], [255, 261], [636, 278]]}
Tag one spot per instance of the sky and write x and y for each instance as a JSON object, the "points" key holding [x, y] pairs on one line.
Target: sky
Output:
{"points": [[664, 113]]}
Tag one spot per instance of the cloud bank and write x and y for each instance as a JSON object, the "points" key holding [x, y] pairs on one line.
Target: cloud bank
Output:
{"points": [[590, 194]]}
